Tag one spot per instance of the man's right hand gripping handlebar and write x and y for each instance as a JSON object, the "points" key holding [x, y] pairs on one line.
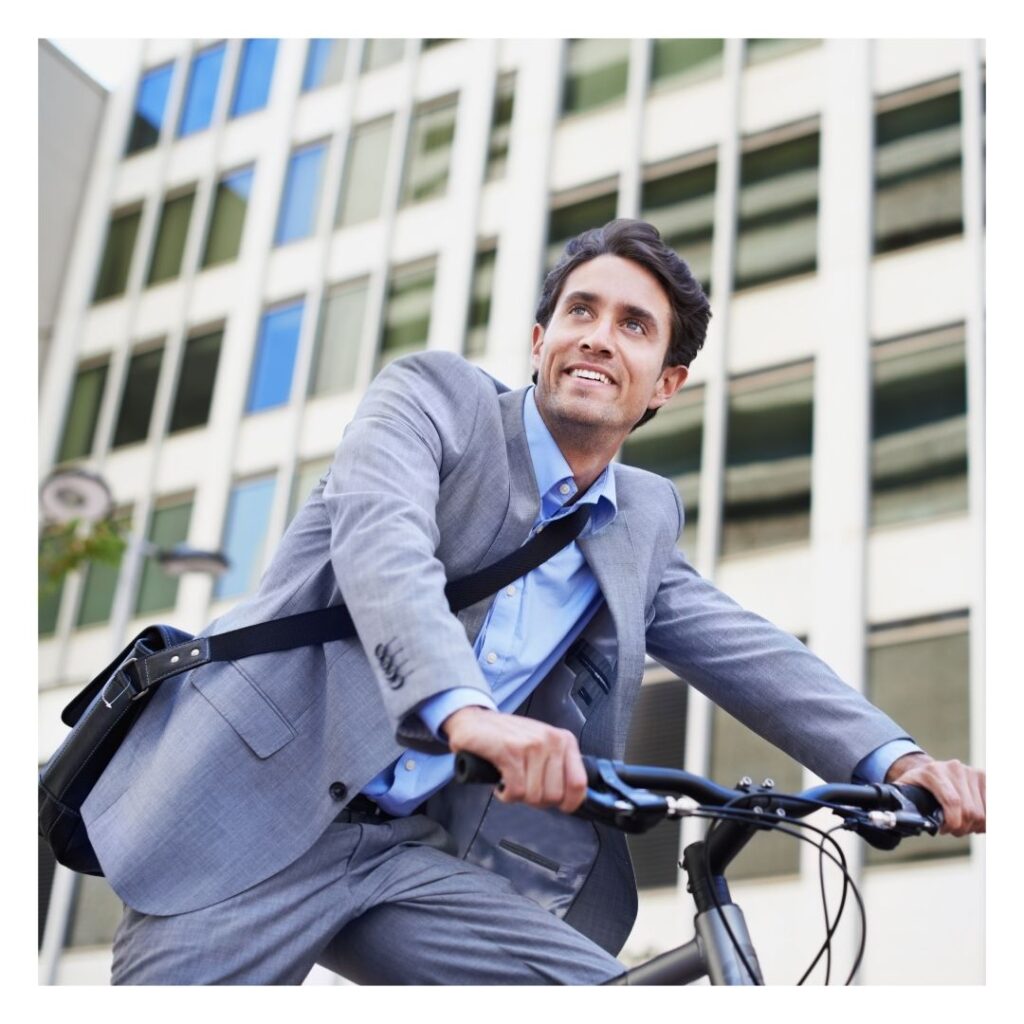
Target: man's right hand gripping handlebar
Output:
{"points": [[536, 763]]}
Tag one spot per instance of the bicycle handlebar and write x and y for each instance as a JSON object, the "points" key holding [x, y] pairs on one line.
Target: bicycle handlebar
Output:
{"points": [[621, 795]]}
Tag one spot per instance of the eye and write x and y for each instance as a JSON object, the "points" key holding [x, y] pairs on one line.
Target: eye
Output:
{"points": [[577, 305], [636, 326]]}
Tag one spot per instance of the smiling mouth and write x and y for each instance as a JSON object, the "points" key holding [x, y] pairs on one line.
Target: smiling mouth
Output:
{"points": [[591, 378]]}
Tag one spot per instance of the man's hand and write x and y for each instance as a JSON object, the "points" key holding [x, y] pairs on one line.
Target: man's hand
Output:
{"points": [[539, 764], [959, 788]]}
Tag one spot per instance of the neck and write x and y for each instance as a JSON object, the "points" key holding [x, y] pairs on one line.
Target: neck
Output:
{"points": [[584, 448]]}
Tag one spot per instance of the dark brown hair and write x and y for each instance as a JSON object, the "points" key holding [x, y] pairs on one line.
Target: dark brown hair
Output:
{"points": [[640, 242]]}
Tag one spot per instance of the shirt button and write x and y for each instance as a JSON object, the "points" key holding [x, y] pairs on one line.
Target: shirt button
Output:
{"points": [[511, 591], [410, 765], [491, 658], [564, 489]]}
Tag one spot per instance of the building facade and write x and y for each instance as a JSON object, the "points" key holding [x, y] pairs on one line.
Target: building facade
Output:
{"points": [[266, 223]]}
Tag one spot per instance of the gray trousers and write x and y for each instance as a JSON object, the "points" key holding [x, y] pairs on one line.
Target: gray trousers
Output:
{"points": [[379, 903]]}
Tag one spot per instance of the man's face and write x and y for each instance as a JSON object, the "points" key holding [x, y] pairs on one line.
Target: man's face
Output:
{"points": [[612, 322]]}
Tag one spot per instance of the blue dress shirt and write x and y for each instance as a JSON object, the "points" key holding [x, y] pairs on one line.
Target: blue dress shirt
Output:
{"points": [[530, 625]]}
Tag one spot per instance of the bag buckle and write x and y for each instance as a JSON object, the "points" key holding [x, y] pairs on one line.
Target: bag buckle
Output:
{"points": [[126, 688]]}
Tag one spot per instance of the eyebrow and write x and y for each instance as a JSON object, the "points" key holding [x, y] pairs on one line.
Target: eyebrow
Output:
{"points": [[637, 312]]}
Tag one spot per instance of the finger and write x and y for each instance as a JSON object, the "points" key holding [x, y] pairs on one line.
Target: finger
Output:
{"points": [[535, 764], [976, 782], [554, 780], [575, 781], [511, 787]]}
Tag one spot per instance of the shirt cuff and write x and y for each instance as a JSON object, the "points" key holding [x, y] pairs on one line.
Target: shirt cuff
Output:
{"points": [[873, 767], [433, 712]]}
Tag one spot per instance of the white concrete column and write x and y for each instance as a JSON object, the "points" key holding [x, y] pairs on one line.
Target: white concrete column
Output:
{"points": [[840, 479]]}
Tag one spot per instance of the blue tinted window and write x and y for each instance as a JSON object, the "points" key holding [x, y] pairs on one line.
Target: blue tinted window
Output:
{"points": [[275, 357], [325, 63], [149, 108], [201, 91], [301, 196], [254, 73], [245, 532]]}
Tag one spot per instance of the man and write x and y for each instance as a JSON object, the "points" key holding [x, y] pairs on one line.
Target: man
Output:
{"points": [[295, 806]]}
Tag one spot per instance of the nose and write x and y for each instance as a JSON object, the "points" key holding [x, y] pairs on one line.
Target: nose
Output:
{"points": [[599, 338]]}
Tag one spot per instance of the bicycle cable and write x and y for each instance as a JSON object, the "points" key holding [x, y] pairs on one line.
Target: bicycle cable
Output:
{"points": [[738, 813]]}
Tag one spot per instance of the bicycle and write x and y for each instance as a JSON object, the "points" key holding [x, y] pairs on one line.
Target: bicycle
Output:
{"points": [[635, 798]]}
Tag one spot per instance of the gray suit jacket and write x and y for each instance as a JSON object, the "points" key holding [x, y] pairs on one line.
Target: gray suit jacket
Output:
{"points": [[235, 769]]}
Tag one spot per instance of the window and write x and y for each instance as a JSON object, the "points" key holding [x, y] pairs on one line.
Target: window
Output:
{"points": [[670, 445], [407, 314], [301, 197], [50, 594], [195, 382], [777, 235], [681, 61], [681, 205], [96, 913], [170, 237], [224, 237], [307, 476], [595, 73], [568, 219], [657, 737], [481, 290], [501, 127], [767, 497], [919, 674], [919, 427], [325, 63], [759, 50], [736, 752], [245, 534], [133, 418], [255, 69], [150, 104], [201, 90], [429, 153], [430, 44], [271, 382], [83, 413], [339, 338], [363, 185], [918, 188], [100, 582], [117, 255], [168, 526], [379, 53]]}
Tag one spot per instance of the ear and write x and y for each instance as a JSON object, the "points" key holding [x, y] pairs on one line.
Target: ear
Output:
{"points": [[536, 345], [671, 380]]}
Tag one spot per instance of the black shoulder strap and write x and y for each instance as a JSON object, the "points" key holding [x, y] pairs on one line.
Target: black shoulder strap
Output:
{"points": [[141, 671]]}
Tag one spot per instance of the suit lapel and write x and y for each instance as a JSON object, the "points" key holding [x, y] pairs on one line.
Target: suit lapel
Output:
{"points": [[611, 558], [523, 502]]}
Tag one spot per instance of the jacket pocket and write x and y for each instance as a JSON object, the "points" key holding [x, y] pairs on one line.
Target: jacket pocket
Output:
{"points": [[245, 707], [545, 854]]}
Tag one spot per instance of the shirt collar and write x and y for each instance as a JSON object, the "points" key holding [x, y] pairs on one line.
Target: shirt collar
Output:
{"points": [[555, 481]]}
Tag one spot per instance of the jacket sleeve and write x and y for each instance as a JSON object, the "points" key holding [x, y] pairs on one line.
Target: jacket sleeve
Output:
{"points": [[762, 675], [381, 496]]}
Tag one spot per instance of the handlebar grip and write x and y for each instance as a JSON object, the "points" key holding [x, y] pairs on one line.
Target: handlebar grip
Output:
{"points": [[471, 768], [924, 801]]}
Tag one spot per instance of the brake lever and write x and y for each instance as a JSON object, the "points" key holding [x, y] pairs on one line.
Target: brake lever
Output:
{"points": [[628, 809], [914, 810]]}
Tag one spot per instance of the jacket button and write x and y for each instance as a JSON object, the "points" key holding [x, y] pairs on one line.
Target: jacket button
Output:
{"points": [[338, 790]]}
